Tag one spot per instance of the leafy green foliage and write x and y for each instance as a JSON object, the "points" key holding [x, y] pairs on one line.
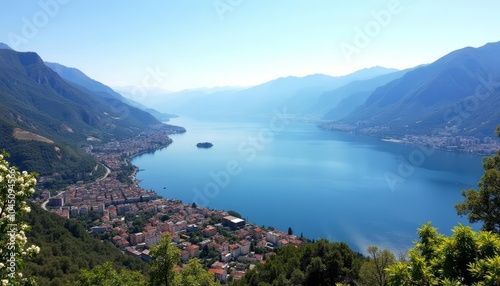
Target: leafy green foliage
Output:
{"points": [[465, 258], [484, 204], [320, 263], [164, 257], [193, 274], [67, 248], [107, 275], [373, 271]]}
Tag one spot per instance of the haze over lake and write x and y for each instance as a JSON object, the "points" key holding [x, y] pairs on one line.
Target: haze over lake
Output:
{"points": [[323, 184]]}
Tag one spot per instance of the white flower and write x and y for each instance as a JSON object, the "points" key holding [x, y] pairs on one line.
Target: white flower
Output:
{"points": [[1, 178], [32, 181], [21, 237], [25, 173], [34, 249], [5, 282], [2, 265], [27, 209], [24, 226], [1, 157]]}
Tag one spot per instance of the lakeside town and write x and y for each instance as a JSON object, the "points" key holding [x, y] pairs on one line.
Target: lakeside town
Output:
{"points": [[134, 219], [445, 139]]}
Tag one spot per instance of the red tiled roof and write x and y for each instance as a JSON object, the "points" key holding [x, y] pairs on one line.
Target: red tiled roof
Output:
{"points": [[216, 271]]}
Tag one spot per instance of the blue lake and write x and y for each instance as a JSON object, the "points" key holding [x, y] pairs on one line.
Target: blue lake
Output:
{"points": [[324, 184]]}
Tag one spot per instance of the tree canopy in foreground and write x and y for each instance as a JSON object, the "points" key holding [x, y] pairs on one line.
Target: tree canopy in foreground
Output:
{"points": [[483, 205], [464, 258]]}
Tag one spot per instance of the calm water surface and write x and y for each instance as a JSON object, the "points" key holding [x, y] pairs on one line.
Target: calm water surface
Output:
{"points": [[332, 185]]}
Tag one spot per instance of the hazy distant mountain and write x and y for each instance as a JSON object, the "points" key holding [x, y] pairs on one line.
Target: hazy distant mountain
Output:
{"points": [[351, 95], [4, 46], [372, 72], [450, 91], [297, 94], [77, 77], [43, 118], [168, 101]]}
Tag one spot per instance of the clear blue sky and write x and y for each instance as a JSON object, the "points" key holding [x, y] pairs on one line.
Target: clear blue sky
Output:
{"points": [[204, 43]]}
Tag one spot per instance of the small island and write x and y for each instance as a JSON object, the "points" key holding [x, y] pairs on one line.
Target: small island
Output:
{"points": [[205, 145]]}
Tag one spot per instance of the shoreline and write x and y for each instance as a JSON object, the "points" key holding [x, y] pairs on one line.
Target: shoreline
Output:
{"points": [[483, 146], [129, 159]]}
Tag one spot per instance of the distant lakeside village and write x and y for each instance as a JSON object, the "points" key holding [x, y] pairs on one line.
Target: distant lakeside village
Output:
{"points": [[446, 139], [134, 219]]}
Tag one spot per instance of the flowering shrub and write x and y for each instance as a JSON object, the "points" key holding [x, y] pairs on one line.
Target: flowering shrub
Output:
{"points": [[15, 188]]}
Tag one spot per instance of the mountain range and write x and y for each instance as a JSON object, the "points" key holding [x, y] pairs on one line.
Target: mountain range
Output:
{"points": [[461, 90], [44, 119], [456, 92], [298, 94]]}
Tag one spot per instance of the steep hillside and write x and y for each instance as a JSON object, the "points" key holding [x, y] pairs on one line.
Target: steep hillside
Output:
{"points": [[4, 47], [351, 95], [459, 90], [81, 80], [37, 100], [66, 248]]}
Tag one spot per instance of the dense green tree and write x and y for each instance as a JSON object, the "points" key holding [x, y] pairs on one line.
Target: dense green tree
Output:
{"points": [[465, 258], [373, 271], [193, 274], [15, 188], [290, 231], [164, 257], [320, 263], [484, 204], [107, 275]]}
